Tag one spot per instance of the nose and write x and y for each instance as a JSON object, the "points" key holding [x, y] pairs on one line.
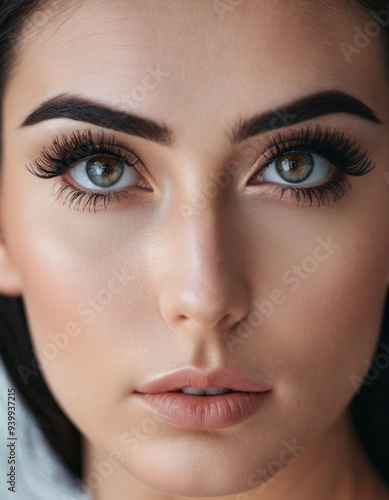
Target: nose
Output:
{"points": [[204, 290]]}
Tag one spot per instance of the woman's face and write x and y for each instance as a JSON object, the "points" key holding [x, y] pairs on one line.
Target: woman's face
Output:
{"points": [[198, 262]]}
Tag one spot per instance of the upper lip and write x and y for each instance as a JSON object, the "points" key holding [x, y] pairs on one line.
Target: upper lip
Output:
{"points": [[192, 377]]}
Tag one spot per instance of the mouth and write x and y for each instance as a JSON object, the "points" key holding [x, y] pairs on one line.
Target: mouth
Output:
{"points": [[195, 400], [211, 391], [196, 382]]}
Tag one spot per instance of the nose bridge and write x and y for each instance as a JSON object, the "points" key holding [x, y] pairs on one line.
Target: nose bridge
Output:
{"points": [[205, 254], [203, 289]]}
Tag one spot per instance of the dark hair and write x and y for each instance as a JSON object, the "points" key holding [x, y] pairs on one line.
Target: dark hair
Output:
{"points": [[370, 408]]}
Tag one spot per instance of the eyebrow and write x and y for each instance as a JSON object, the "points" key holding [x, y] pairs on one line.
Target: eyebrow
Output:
{"points": [[308, 107], [85, 110]]}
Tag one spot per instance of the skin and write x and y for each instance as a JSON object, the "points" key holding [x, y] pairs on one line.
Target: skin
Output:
{"points": [[192, 278]]}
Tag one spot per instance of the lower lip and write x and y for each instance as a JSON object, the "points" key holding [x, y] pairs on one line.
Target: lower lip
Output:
{"points": [[205, 412]]}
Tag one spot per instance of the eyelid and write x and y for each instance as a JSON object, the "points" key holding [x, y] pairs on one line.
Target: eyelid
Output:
{"points": [[343, 152], [67, 151]]}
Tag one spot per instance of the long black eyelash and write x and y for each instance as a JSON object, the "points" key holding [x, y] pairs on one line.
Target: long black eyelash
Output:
{"points": [[65, 151], [89, 201], [346, 155], [334, 145], [336, 188]]}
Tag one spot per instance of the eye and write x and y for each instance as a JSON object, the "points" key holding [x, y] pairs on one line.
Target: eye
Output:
{"points": [[296, 167], [102, 172]]}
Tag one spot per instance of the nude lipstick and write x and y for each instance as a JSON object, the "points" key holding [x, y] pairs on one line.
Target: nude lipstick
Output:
{"points": [[197, 400]]}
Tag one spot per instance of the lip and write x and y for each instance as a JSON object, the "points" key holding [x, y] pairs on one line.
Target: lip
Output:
{"points": [[191, 377], [204, 412]]}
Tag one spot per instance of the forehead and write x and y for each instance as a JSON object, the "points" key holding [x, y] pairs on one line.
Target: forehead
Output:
{"points": [[172, 59]]}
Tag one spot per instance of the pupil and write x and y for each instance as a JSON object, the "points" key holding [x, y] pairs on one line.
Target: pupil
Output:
{"points": [[293, 164]]}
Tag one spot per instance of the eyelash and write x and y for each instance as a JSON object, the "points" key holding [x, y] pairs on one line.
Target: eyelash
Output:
{"points": [[333, 145], [66, 151]]}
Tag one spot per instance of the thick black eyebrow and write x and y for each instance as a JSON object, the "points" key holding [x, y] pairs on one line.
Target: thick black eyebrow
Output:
{"points": [[80, 109], [306, 108]]}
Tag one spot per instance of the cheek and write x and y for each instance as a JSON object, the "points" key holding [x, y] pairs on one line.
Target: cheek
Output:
{"points": [[322, 337], [85, 287], [88, 325]]}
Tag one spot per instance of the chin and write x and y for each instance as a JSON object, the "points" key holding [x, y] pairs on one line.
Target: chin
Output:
{"points": [[205, 473]]}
